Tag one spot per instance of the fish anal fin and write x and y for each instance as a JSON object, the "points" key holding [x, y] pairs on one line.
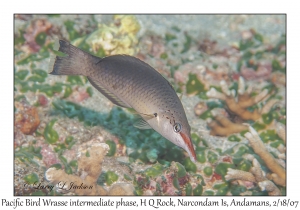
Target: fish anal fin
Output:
{"points": [[108, 94], [142, 124]]}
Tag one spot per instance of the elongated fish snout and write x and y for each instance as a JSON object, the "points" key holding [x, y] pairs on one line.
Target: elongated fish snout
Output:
{"points": [[189, 146]]}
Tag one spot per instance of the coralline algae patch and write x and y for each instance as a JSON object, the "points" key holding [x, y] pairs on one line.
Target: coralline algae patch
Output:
{"points": [[234, 98]]}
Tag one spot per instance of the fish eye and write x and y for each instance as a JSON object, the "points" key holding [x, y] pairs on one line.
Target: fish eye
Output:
{"points": [[177, 127]]}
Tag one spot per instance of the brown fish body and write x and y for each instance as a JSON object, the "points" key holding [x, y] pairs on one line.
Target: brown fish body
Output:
{"points": [[131, 83]]}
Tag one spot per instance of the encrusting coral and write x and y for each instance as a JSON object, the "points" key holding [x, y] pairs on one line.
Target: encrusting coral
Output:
{"points": [[89, 169], [237, 106], [260, 149]]}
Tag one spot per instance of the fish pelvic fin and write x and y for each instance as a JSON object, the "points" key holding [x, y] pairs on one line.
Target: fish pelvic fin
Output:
{"points": [[70, 60], [142, 124]]}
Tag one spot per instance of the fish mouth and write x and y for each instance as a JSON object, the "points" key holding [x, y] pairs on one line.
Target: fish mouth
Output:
{"points": [[189, 145]]}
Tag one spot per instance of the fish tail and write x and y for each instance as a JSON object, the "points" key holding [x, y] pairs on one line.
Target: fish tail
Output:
{"points": [[72, 60]]}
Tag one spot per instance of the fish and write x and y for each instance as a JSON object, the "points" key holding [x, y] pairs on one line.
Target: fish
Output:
{"points": [[130, 83]]}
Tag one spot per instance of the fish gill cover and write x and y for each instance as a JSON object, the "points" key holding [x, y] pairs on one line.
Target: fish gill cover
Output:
{"points": [[232, 88]]}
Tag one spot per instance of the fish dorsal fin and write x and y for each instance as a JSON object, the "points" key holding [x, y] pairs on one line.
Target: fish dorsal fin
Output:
{"points": [[108, 94], [142, 124]]}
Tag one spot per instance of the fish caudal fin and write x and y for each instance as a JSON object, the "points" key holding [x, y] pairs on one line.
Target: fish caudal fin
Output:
{"points": [[70, 60]]}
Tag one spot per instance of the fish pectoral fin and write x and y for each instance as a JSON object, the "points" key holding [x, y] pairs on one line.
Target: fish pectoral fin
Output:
{"points": [[108, 94], [145, 116], [142, 124]]}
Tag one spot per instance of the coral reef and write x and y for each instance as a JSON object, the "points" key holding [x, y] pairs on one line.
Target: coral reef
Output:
{"points": [[57, 117], [255, 175], [89, 169], [263, 153]]}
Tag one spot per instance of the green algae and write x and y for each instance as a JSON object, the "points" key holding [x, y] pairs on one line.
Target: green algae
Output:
{"points": [[28, 154], [276, 143], [176, 183], [205, 115], [208, 171], [40, 73], [36, 78], [198, 190], [110, 177], [258, 126], [244, 165], [164, 56], [73, 34], [21, 75], [267, 118], [201, 157], [222, 188], [75, 80], [127, 177], [194, 86], [41, 38], [112, 148], [187, 43], [169, 37], [189, 165], [155, 170], [269, 135], [50, 135], [56, 165], [31, 178], [67, 165], [237, 189], [276, 66], [245, 44], [73, 163], [222, 168], [68, 91], [181, 172], [188, 189], [89, 90], [212, 157], [209, 193], [234, 138]]}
